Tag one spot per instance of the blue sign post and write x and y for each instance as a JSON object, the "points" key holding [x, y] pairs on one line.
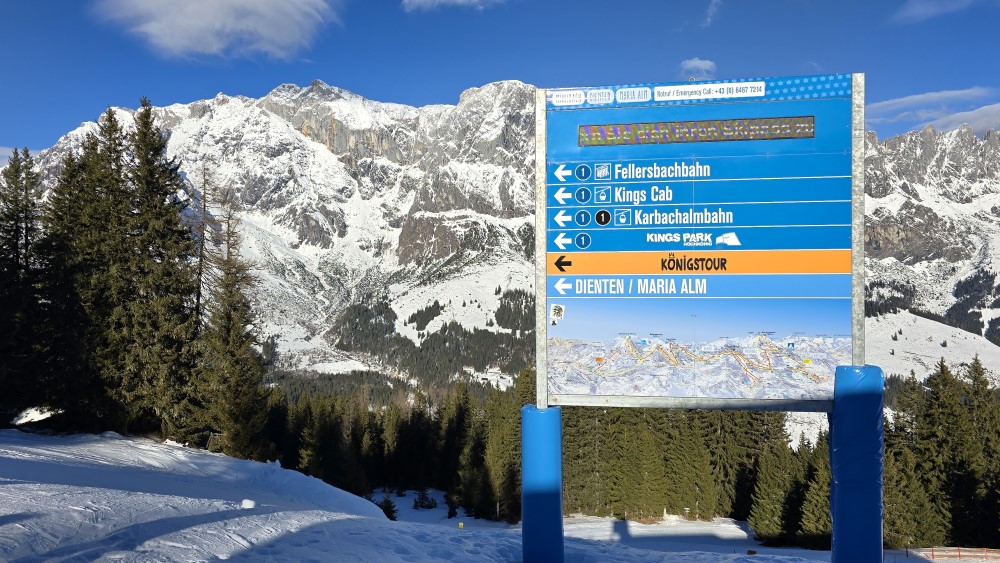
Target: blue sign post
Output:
{"points": [[700, 245]]}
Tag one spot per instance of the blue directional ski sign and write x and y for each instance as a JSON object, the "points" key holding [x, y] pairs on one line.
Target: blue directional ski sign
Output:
{"points": [[700, 244]]}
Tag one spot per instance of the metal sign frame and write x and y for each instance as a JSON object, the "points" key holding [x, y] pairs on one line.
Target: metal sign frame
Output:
{"points": [[542, 232]]}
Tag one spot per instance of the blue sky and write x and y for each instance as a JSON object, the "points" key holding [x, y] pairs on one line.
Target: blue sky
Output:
{"points": [[927, 61]]}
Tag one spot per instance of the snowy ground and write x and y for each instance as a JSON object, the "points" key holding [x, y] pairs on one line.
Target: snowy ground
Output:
{"points": [[110, 498]]}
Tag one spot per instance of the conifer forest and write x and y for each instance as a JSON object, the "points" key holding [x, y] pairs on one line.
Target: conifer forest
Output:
{"points": [[126, 306]]}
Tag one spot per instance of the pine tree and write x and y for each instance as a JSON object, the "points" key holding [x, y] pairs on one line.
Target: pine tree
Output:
{"points": [[943, 443], [317, 430], [160, 315], [769, 493], [653, 480], [978, 514], [69, 327], [620, 463], [19, 302], [583, 443], [388, 506], [799, 476], [105, 269], [721, 442], [706, 492], [816, 525], [419, 443], [392, 422], [232, 369], [755, 431], [910, 518], [688, 463], [502, 453], [909, 401], [454, 428], [476, 499]]}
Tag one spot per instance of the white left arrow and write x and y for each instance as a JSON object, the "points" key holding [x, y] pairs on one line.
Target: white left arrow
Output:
{"points": [[562, 285], [562, 195], [562, 218], [561, 172], [562, 240]]}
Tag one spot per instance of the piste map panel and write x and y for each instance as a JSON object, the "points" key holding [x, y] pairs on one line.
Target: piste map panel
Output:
{"points": [[698, 239]]}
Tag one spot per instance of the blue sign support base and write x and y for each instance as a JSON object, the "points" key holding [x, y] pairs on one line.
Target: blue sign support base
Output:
{"points": [[856, 461], [541, 484]]}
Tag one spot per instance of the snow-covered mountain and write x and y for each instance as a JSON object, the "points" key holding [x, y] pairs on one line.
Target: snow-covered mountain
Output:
{"points": [[352, 201], [348, 200], [932, 244]]}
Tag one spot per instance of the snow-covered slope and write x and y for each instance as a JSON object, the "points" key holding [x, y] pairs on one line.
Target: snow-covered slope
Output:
{"points": [[109, 498], [921, 343]]}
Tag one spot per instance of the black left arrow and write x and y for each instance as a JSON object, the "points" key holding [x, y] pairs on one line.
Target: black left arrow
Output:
{"points": [[562, 263]]}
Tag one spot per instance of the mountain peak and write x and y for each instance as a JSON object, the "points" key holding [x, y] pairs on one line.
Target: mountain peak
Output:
{"points": [[495, 90], [317, 90]]}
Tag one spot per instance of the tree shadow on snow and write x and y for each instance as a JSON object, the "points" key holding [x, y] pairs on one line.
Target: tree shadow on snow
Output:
{"points": [[364, 539], [129, 479], [131, 537], [19, 517]]}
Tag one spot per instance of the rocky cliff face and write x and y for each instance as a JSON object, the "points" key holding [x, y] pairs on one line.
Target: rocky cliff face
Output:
{"points": [[932, 210]]}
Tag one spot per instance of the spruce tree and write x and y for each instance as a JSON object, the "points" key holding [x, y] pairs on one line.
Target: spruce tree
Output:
{"points": [[705, 487], [909, 401], [454, 428], [476, 499], [70, 328], [977, 514], [943, 443], [317, 432], [653, 480], [816, 525], [769, 493], [910, 518], [799, 476], [106, 266], [19, 302], [728, 456], [502, 453], [583, 442], [620, 463], [161, 316], [232, 368], [392, 422]]}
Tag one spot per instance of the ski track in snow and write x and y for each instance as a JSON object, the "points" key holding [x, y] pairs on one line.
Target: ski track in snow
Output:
{"points": [[110, 498]]}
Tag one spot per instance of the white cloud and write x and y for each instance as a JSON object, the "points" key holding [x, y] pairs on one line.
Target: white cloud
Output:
{"points": [[240, 28], [5, 153], [414, 5], [913, 11], [926, 106], [699, 69], [945, 109], [713, 10], [981, 119]]}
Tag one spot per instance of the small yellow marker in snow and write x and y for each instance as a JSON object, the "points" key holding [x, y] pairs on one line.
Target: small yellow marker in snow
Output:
{"points": [[461, 525]]}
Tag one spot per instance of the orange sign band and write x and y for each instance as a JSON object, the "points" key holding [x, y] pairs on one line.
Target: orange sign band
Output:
{"points": [[698, 263]]}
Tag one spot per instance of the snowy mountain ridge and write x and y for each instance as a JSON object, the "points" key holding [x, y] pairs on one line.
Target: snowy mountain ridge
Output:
{"points": [[348, 200]]}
